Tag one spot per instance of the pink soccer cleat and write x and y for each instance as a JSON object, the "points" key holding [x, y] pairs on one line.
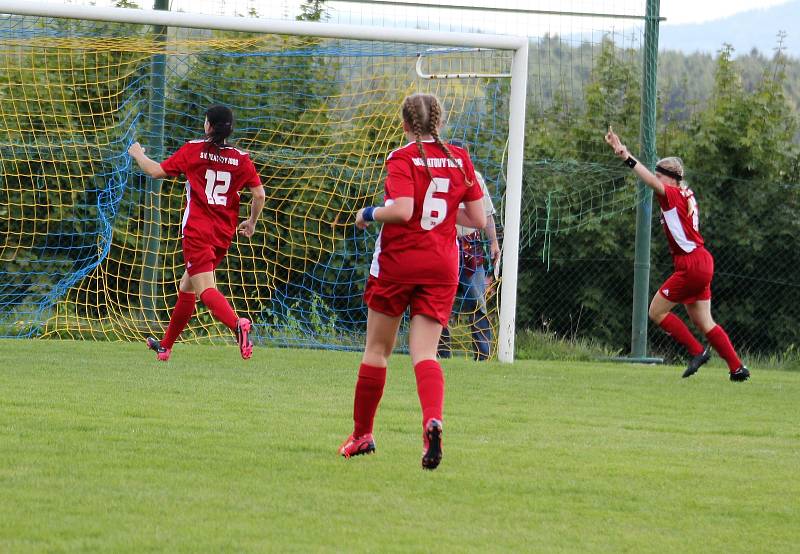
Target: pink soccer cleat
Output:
{"points": [[364, 444], [162, 354], [243, 338]]}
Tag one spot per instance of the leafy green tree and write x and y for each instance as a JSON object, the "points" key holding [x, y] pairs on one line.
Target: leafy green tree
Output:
{"points": [[60, 154], [741, 160], [738, 137], [573, 194], [312, 10]]}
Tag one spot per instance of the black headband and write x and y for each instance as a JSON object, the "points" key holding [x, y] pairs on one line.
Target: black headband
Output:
{"points": [[674, 174]]}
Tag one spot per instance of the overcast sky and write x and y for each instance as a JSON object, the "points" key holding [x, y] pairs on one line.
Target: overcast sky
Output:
{"points": [[676, 11], [697, 11]]}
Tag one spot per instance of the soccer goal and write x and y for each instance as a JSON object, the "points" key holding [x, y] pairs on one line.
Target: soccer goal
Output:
{"points": [[90, 246]]}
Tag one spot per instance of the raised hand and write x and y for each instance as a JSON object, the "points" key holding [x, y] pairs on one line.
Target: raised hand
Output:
{"points": [[614, 142]]}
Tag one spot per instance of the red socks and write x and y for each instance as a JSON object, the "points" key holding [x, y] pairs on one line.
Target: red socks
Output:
{"points": [[717, 336], [219, 307], [722, 344], [184, 310], [369, 390], [430, 388], [678, 330], [181, 314]]}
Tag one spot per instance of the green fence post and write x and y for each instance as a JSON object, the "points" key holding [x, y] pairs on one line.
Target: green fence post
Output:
{"points": [[644, 206]]}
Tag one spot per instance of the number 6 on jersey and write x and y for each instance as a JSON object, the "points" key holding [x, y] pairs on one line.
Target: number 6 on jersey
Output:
{"points": [[434, 210]]}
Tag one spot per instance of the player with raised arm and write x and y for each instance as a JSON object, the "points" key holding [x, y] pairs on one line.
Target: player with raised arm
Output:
{"points": [[690, 284], [415, 265], [216, 173]]}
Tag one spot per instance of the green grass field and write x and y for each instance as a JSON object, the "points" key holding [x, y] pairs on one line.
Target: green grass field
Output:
{"points": [[103, 449]]}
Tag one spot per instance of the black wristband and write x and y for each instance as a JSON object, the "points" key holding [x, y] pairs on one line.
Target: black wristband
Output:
{"points": [[630, 162]]}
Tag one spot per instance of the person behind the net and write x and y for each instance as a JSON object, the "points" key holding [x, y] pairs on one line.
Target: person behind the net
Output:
{"points": [[472, 277], [216, 173], [415, 265], [690, 284]]}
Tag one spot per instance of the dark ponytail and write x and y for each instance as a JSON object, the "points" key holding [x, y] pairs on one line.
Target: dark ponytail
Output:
{"points": [[220, 119]]}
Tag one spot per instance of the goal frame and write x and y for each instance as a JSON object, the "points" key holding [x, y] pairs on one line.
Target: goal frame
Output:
{"points": [[518, 89]]}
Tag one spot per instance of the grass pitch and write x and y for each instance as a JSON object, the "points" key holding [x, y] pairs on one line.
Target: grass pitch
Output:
{"points": [[103, 449]]}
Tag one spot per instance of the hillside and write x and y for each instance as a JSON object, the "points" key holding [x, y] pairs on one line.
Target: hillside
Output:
{"points": [[685, 80], [744, 31]]}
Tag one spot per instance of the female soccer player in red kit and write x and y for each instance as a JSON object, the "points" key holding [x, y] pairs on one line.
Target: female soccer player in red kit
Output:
{"points": [[690, 284], [415, 265], [216, 173]]}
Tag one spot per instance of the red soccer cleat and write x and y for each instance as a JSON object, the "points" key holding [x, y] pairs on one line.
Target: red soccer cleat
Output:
{"points": [[432, 444], [162, 354], [243, 338], [364, 444]]}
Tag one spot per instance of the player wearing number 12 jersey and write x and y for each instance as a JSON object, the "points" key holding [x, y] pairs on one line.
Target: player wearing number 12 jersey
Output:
{"points": [[415, 266], [216, 173], [690, 284]]}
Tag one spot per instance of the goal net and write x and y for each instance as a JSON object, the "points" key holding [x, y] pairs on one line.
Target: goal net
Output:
{"points": [[91, 247]]}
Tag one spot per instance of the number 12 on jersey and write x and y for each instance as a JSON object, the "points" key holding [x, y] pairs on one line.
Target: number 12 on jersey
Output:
{"points": [[217, 184], [434, 210]]}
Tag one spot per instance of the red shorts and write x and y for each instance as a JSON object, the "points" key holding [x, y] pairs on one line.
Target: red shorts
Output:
{"points": [[692, 278], [200, 256], [392, 299]]}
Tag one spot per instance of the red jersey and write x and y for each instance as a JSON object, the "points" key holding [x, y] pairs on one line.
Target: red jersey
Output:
{"points": [[214, 180], [424, 250], [680, 219]]}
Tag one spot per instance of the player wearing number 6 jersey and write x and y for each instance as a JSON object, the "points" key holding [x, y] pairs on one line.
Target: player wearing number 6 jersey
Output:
{"points": [[690, 284], [216, 173], [415, 266]]}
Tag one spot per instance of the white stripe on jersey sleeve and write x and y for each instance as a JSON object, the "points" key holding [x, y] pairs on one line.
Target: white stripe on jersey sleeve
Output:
{"points": [[676, 230], [242, 152], [389, 157], [375, 267], [188, 203]]}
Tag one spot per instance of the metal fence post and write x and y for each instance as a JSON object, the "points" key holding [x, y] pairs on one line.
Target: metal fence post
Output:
{"points": [[644, 206]]}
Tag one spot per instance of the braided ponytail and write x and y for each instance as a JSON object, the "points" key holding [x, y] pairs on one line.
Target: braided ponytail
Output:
{"points": [[412, 106], [424, 114], [436, 122]]}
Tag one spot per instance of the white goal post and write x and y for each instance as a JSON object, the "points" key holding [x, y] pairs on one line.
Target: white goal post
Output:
{"points": [[519, 69]]}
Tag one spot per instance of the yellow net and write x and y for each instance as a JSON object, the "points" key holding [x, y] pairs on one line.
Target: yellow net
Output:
{"points": [[91, 247]]}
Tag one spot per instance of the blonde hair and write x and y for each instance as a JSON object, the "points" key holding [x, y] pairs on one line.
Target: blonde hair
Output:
{"points": [[672, 164], [424, 114]]}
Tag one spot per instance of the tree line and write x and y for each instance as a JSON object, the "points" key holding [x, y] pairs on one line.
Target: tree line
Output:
{"points": [[738, 141], [741, 154]]}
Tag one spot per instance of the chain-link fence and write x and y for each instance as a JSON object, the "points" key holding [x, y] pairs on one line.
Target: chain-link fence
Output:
{"points": [[578, 284], [578, 214]]}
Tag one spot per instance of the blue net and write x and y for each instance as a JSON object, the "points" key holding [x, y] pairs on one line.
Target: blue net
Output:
{"points": [[91, 247]]}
